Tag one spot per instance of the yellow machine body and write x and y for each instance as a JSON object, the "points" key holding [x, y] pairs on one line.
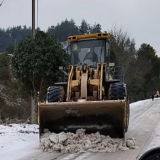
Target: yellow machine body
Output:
{"points": [[86, 100]]}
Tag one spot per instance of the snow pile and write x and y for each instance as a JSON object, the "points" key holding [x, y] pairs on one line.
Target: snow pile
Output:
{"points": [[81, 142]]}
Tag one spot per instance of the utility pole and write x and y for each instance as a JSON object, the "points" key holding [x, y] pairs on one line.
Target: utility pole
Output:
{"points": [[0, 108], [33, 101], [33, 18], [37, 15]]}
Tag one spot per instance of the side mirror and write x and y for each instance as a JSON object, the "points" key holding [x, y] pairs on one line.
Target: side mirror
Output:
{"points": [[151, 154], [61, 68], [111, 64]]}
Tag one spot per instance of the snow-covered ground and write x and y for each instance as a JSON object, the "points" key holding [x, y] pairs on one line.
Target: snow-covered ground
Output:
{"points": [[18, 141], [155, 137], [138, 103]]}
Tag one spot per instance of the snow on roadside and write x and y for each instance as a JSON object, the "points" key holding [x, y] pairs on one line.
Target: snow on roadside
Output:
{"points": [[139, 103], [18, 140], [142, 102]]}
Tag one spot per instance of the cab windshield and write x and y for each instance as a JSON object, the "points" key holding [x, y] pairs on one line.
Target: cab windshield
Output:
{"points": [[88, 51]]}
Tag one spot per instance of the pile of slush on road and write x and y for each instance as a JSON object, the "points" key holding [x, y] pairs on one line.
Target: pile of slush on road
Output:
{"points": [[90, 106], [81, 142]]}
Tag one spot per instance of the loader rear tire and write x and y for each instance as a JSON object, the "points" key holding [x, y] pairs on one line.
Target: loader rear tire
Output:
{"points": [[55, 94]]}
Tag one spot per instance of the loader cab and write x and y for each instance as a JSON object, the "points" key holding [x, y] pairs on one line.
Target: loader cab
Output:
{"points": [[89, 49]]}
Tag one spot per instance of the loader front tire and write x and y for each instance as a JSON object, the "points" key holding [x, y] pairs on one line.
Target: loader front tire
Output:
{"points": [[117, 91], [55, 94]]}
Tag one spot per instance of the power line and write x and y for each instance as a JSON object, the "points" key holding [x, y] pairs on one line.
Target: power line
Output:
{"points": [[1, 3]]}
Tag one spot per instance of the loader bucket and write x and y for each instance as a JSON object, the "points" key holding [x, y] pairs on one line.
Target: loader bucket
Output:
{"points": [[107, 117]]}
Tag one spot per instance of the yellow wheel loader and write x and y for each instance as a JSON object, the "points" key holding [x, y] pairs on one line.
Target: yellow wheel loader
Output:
{"points": [[93, 97]]}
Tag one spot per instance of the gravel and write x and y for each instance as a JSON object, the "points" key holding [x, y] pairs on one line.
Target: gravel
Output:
{"points": [[81, 142]]}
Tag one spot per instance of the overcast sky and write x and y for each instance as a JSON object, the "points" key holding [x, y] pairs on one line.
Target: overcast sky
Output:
{"points": [[140, 18]]}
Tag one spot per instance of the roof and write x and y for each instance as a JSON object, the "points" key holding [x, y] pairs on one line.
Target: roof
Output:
{"points": [[88, 36]]}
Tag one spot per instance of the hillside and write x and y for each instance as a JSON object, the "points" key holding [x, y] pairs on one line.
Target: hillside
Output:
{"points": [[14, 102]]}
